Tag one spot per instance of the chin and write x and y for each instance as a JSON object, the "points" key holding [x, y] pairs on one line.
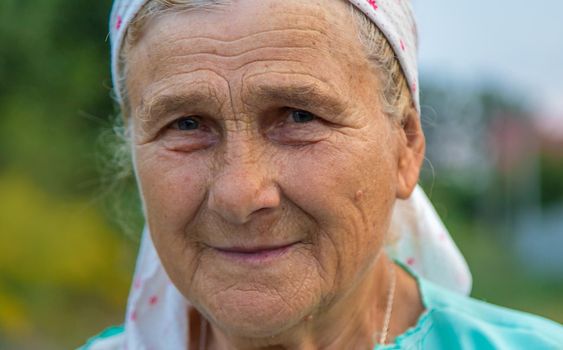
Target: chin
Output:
{"points": [[257, 300], [254, 314]]}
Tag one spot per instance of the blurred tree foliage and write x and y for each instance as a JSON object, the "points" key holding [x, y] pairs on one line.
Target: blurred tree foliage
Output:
{"points": [[551, 179], [64, 268], [483, 204], [61, 267], [54, 91]]}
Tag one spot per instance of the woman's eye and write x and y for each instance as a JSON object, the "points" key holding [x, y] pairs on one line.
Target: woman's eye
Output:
{"points": [[300, 116], [187, 123]]}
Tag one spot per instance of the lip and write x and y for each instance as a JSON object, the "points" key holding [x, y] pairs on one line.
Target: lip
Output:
{"points": [[256, 254]]}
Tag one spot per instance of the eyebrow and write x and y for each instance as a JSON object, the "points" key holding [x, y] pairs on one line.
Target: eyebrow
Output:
{"points": [[299, 95], [162, 104]]}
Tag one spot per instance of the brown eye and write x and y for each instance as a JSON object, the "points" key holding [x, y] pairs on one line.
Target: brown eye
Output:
{"points": [[187, 123], [301, 116]]}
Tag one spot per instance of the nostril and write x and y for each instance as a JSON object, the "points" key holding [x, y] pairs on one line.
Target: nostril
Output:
{"points": [[262, 212]]}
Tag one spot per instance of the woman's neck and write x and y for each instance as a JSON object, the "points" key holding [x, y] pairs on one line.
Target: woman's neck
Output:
{"points": [[354, 321]]}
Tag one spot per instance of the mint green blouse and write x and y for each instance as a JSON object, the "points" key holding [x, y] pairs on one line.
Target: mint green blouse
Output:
{"points": [[451, 321]]}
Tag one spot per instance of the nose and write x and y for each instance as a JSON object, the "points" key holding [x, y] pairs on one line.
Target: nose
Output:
{"points": [[244, 186]]}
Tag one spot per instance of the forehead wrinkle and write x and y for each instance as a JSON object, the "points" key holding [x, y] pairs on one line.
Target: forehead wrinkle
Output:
{"points": [[307, 19], [283, 46], [149, 86], [266, 61], [307, 33], [169, 61], [163, 83], [198, 58], [250, 37], [236, 55], [155, 95], [297, 26], [228, 68]]}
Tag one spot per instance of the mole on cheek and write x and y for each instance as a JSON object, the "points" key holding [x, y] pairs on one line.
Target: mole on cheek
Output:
{"points": [[359, 195]]}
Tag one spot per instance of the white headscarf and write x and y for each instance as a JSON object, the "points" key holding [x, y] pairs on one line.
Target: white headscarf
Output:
{"points": [[157, 312]]}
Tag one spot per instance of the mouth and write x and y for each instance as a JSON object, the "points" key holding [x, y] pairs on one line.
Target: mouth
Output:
{"points": [[257, 254]]}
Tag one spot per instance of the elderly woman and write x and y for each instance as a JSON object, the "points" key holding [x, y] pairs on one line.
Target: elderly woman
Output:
{"points": [[277, 148]]}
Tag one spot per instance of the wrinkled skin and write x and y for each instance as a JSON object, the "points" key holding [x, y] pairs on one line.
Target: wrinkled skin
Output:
{"points": [[224, 162]]}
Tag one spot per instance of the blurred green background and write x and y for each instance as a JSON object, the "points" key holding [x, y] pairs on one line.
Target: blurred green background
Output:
{"points": [[69, 232]]}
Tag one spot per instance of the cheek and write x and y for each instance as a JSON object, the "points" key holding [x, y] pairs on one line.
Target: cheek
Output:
{"points": [[348, 189], [172, 188]]}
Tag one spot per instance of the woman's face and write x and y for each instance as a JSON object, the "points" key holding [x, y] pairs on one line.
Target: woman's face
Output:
{"points": [[267, 169]]}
